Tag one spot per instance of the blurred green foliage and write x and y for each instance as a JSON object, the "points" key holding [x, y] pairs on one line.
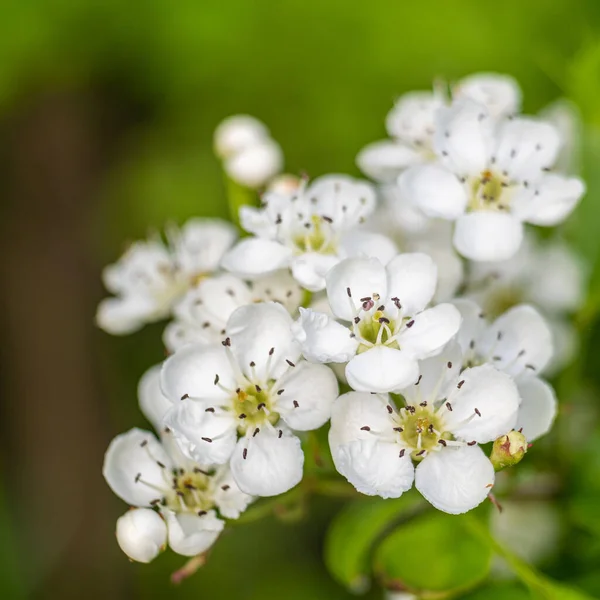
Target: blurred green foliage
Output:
{"points": [[322, 75]]}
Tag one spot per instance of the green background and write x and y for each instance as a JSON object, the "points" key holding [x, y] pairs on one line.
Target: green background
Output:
{"points": [[107, 110]]}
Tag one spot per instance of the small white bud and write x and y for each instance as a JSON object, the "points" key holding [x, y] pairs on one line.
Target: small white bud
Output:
{"points": [[255, 165], [237, 133], [285, 184], [141, 534]]}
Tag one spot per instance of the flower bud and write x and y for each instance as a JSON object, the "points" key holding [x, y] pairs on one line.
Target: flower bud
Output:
{"points": [[237, 133], [285, 184], [141, 534], [254, 166], [508, 450]]}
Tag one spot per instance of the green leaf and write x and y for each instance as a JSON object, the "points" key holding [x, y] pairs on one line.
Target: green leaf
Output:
{"points": [[435, 553], [499, 591], [354, 532]]}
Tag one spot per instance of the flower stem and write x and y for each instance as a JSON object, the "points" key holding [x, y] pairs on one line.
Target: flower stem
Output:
{"points": [[238, 196]]}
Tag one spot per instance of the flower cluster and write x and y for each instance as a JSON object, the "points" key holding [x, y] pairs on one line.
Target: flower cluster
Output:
{"points": [[402, 310]]}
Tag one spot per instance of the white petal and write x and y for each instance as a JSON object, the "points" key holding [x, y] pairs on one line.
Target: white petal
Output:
{"points": [[181, 333], [455, 480], [525, 147], [280, 287], [431, 330], [141, 534], [208, 436], [487, 235], [500, 94], [120, 316], [412, 119], [238, 132], [464, 137], [253, 257], [435, 190], [437, 376], [262, 334], [131, 468], [190, 534], [362, 276], [375, 468], [385, 160], [472, 325], [272, 464], [201, 244], [153, 403], [323, 339], [345, 200], [538, 407], [412, 279], [192, 371], [228, 497], [354, 411], [359, 243], [309, 269], [397, 214], [566, 117], [548, 201], [308, 393], [518, 341], [484, 407], [381, 369], [255, 165]]}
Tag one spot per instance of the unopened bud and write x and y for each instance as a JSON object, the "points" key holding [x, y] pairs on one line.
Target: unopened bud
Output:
{"points": [[236, 133], [141, 534], [256, 165], [508, 450], [285, 184]]}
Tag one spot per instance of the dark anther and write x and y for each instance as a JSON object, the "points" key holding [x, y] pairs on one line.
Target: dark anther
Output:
{"points": [[256, 432], [271, 351], [389, 409], [471, 443], [382, 307], [365, 299], [289, 362], [258, 388], [499, 336], [185, 396], [477, 412], [449, 406], [216, 379], [210, 409], [296, 405], [442, 442], [241, 416], [280, 433], [398, 429], [410, 323], [383, 320], [357, 320], [424, 403], [260, 406], [252, 364], [161, 465], [419, 380], [421, 453], [201, 513], [144, 444], [472, 344], [279, 392], [348, 292], [449, 365], [327, 219], [365, 428], [226, 342], [225, 487], [245, 453], [207, 439], [137, 477], [530, 367], [401, 453], [460, 383]]}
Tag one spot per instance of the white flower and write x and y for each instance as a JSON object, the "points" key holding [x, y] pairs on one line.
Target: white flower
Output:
{"points": [[141, 534], [385, 327], [566, 117], [447, 414], [309, 231], [411, 124], [150, 277], [202, 314], [147, 473], [548, 275], [490, 178], [238, 401], [520, 344]]}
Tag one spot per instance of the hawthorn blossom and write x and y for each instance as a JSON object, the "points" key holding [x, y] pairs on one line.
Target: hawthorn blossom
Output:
{"points": [[250, 156], [374, 441], [411, 124], [381, 326], [239, 401], [202, 314], [308, 231], [190, 499], [489, 178], [518, 343], [151, 276], [548, 275]]}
